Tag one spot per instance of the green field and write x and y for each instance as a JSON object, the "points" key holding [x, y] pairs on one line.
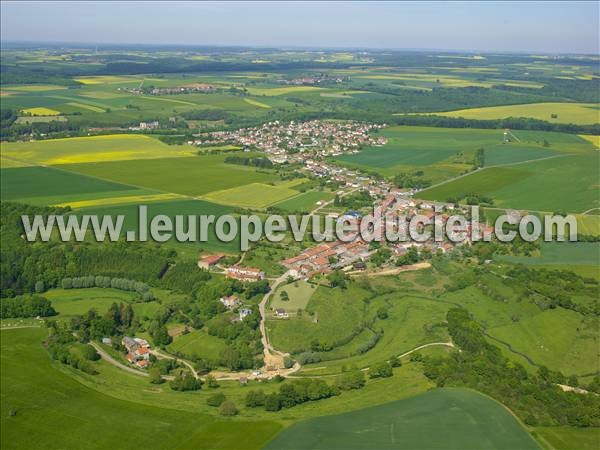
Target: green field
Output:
{"points": [[576, 253], [570, 438], [299, 293], [526, 186], [306, 201], [199, 343], [194, 176], [90, 149], [254, 195], [53, 411], [577, 113], [23, 183], [443, 418]]}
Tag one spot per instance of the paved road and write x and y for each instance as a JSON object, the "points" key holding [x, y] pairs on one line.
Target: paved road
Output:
{"points": [[263, 314]]}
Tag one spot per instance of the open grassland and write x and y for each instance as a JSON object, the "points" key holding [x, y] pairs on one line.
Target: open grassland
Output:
{"points": [[572, 180], [54, 411], [199, 343], [272, 91], [257, 103], [299, 294], [23, 183], [194, 176], [577, 253], [33, 87], [558, 338], [90, 149], [254, 195], [442, 418], [577, 113], [41, 112]]}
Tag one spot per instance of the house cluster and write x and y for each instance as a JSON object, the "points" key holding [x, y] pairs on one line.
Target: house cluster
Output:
{"points": [[288, 142], [318, 80], [146, 126], [231, 302], [240, 273], [185, 89], [138, 351], [210, 261]]}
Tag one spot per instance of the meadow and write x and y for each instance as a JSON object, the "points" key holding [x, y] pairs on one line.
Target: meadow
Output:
{"points": [[198, 343], [44, 407], [253, 195], [299, 294], [306, 201], [577, 113], [441, 418]]}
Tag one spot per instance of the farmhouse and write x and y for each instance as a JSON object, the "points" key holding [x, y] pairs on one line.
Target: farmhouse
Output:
{"points": [[245, 312], [244, 273], [281, 313], [210, 261], [230, 302], [138, 351]]}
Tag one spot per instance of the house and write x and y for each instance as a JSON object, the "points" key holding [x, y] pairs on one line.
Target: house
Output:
{"points": [[107, 341], [244, 273], [210, 261], [138, 351], [230, 302], [245, 312], [359, 265], [281, 313]]}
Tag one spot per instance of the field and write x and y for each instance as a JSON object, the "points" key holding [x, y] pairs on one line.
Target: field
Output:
{"points": [[41, 112], [577, 253], [525, 186], [44, 407], [198, 343], [577, 113], [570, 438], [90, 149], [193, 176], [299, 293], [442, 153], [442, 418], [254, 195], [306, 201]]}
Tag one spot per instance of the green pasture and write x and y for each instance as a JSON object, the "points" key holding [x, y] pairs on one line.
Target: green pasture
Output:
{"points": [[442, 418], [198, 343], [254, 195], [306, 201], [299, 294]]}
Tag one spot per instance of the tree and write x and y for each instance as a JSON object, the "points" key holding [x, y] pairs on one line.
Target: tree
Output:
{"points": [[211, 382], [284, 296], [40, 287], [89, 353], [255, 398], [272, 402], [155, 377], [395, 361], [228, 409], [381, 370], [216, 399]]}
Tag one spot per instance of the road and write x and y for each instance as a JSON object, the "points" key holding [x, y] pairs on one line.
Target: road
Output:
{"points": [[263, 315], [189, 365], [109, 359]]}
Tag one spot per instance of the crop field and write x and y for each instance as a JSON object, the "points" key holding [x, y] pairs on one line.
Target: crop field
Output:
{"points": [[306, 201], [172, 208], [558, 338], [577, 113], [73, 302], [194, 176], [33, 87], [54, 411], [257, 103], [90, 149], [442, 418], [138, 199], [23, 183], [525, 186], [568, 438], [577, 253], [439, 152], [199, 343], [41, 112], [254, 195], [273, 91]]}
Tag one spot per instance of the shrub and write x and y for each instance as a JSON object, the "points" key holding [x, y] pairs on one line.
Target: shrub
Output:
{"points": [[216, 399], [228, 409]]}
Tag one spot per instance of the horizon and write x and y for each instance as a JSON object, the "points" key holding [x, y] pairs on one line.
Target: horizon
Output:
{"points": [[492, 27]]}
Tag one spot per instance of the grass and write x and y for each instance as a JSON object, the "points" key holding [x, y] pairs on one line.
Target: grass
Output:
{"points": [[254, 195], [41, 112], [576, 113], [299, 293], [577, 253], [199, 343], [442, 418], [33, 87], [73, 302], [137, 199], [570, 438], [21, 183], [257, 103], [306, 201], [194, 176], [90, 149], [573, 181], [54, 411], [561, 339], [268, 92]]}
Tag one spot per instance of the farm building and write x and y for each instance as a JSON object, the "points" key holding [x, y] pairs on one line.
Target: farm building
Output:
{"points": [[230, 302], [138, 351], [245, 273], [210, 261]]}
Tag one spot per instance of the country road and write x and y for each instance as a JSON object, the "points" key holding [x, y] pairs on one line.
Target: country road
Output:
{"points": [[109, 359], [263, 314]]}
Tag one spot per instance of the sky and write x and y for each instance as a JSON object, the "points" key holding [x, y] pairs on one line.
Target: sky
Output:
{"points": [[548, 27]]}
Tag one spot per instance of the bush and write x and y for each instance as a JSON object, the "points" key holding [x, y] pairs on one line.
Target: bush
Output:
{"points": [[381, 370], [228, 409], [155, 377], [89, 353], [255, 398], [272, 402], [216, 399]]}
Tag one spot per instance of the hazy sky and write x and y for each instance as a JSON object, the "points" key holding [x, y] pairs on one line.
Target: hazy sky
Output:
{"points": [[555, 27]]}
